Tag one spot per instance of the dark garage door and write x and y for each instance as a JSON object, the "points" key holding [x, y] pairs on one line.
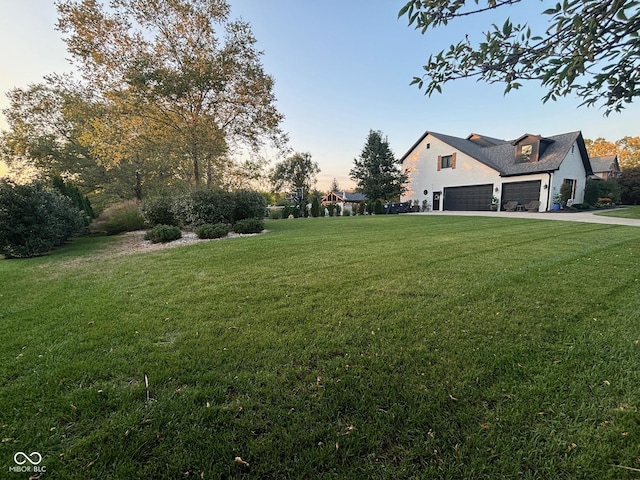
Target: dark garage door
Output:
{"points": [[521, 192], [476, 197]]}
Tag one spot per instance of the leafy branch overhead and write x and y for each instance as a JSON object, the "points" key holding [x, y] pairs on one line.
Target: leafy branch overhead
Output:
{"points": [[590, 48]]}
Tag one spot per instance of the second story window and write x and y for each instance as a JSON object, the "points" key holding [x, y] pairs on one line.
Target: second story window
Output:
{"points": [[446, 161]]}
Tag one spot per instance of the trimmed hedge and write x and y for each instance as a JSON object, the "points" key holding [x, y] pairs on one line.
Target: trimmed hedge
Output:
{"points": [[249, 225], [208, 231], [163, 234]]}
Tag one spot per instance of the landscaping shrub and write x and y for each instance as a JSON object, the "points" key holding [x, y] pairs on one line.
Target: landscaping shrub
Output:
{"points": [[248, 204], [163, 234], [362, 208], [207, 230], [121, 217], [596, 189], [581, 206], [34, 219], [378, 207], [249, 225], [207, 206], [160, 211]]}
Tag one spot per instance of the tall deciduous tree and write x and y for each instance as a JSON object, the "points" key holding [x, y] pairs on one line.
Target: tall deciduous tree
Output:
{"points": [[600, 147], [180, 69], [589, 48], [295, 175], [377, 173]]}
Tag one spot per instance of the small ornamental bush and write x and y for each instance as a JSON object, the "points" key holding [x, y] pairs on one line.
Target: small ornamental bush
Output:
{"points": [[163, 234], [121, 217], [160, 211], [207, 231], [378, 207], [249, 225], [34, 219]]}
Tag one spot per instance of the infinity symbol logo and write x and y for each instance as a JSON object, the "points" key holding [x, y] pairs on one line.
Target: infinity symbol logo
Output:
{"points": [[34, 458]]}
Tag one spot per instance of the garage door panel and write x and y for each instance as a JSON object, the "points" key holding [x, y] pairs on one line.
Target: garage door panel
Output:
{"points": [[521, 192], [469, 198]]}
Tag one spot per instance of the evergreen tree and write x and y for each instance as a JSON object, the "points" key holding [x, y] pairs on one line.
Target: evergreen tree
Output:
{"points": [[315, 207], [377, 173]]}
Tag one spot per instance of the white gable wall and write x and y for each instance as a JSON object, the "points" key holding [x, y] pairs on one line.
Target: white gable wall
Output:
{"points": [[571, 168], [422, 163]]}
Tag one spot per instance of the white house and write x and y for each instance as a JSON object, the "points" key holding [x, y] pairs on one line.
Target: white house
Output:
{"points": [[452, 173]]}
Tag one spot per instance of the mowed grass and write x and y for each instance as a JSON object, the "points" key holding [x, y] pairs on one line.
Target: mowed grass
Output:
{"points": [[626, 212], [368, 347]]}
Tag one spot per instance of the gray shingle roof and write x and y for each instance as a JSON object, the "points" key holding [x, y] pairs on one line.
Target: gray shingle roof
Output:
{"points": [[500, 154], [603, 163]]}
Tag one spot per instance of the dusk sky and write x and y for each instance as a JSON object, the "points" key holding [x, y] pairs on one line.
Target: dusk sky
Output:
{"points": [[343, 67]]}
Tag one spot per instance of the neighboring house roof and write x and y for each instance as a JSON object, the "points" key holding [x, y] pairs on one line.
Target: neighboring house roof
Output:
{"points": [[500, 154], [605, 164], [344, 196]]}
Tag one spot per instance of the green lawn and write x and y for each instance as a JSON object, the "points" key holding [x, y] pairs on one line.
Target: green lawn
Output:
{"points": [[626, 212], [367, 347]]}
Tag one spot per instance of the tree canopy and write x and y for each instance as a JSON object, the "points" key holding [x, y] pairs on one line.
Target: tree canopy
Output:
{"points": [[169, 90], [377, 172], [295, 175], [590, 48]]}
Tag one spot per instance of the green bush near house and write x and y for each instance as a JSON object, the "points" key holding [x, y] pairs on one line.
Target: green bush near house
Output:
{"points": [[163, 234], [595, 189]]}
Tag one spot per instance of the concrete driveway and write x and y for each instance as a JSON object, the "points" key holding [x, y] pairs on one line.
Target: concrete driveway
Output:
{"points": [[588, 217]]}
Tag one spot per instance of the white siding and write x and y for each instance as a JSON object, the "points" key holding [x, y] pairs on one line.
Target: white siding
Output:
{"points": [[571, 168], [422, 163]]}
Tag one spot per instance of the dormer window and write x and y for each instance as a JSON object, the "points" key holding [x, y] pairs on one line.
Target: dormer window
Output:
{"points": [[525, 153]]}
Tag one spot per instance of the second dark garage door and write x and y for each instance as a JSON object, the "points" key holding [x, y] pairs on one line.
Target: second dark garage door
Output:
{"points": [[473, 198], [521, 192]]}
